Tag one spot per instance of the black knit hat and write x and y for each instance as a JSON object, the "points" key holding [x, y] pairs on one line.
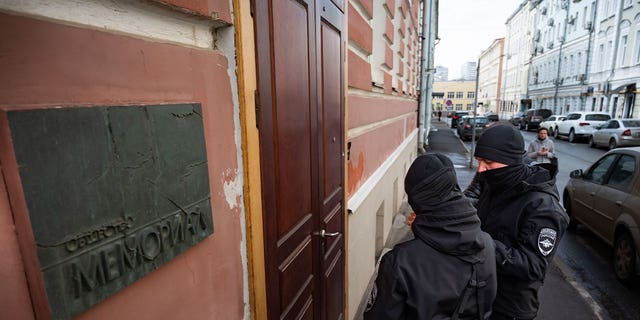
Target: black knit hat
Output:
{"points": [[430, 179], [502, 143]]}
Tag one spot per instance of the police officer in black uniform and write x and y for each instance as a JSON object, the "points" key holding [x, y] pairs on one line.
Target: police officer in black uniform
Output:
{"points": [[448, 270], [519, 207]]}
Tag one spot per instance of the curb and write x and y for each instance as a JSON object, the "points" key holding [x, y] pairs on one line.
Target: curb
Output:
{"points": [[568, 276]]}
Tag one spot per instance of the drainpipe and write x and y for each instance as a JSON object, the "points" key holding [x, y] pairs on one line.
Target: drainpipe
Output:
{"points": [[614, 58], [475, 111], [424, 109], [589, 56]]}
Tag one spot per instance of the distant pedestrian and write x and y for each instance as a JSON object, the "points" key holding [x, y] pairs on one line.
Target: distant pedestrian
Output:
{"points": [[439, 114], [541, 149], [519, 207], [448, 270]]}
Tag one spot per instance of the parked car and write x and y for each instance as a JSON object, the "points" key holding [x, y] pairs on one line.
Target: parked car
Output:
{"points": [[579, 124], [515, 119], [616, 133], [606, 199], [492, 119], [532, 118], [455, 117], [551, 123], [465, 127]]}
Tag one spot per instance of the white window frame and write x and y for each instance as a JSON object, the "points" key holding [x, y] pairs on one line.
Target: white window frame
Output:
{"points": [[624, 43], [637, 48]]}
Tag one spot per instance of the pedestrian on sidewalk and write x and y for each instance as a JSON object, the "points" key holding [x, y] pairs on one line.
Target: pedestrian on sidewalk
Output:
{"points": [[541, 149], [519, 207], [439, 114], [448, 270]]}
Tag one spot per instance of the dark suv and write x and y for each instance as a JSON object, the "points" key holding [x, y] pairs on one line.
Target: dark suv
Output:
{"points": [[532, 118], [456, 116]]}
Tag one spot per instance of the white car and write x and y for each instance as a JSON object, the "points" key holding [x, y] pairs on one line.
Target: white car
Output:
{"points": [[551, 123], [580, 124]]}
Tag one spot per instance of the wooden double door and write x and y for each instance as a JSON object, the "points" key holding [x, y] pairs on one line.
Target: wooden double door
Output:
{"points": [[300, 61]]}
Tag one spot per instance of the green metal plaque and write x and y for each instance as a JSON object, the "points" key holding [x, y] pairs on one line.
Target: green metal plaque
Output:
{"points": [[112, 192]]}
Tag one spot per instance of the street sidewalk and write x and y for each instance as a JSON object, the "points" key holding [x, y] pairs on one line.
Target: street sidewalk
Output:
{"points": [[561, 297]]}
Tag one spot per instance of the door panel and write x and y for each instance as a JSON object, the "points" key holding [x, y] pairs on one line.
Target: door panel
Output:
{"points": [[332, 126], [300, 97]]}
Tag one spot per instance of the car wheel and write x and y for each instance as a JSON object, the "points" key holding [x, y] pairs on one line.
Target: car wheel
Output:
{"points": [[612, 144], [566, 203], [551, 132], [624, 253], [591, 143], [572, 136], [555, 133]]}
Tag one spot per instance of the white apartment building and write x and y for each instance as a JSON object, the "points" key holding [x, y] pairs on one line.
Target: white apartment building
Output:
{"points": [[552, 51], [518, 43], [490, 77], [615, 62]]}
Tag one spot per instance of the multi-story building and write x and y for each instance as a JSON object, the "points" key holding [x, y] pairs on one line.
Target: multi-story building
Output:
{"points": [[614, 71], [442, 74], [456, 95], [468, 71], [518, 42], [206, 159], [561, 48], [490, 77]]}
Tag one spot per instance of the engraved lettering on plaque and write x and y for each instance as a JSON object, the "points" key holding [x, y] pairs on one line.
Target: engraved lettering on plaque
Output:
{"points": [[113, 193]]}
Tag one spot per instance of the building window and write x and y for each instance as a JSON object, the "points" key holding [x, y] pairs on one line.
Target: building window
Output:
{"points": [[450, 94], [609, 54], [469, 106], [637, 59], [601, 57], [459, 95], [623, 50], [458, 106], [471, 94]]}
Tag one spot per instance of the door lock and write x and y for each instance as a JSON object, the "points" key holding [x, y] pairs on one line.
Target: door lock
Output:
{"points": [[323, 234]]}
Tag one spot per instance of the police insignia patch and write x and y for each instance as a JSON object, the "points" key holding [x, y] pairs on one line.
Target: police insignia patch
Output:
{"points": [[546, 241]]}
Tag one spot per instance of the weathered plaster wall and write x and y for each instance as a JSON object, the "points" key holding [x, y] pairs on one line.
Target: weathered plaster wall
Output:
{"points": [[90, 53]]}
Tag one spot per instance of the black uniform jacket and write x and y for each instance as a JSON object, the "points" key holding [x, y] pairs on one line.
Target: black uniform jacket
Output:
{"points": [[424, 278], [519, 207]]}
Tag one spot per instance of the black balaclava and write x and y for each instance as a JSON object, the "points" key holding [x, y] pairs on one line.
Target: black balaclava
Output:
{"points": [[445, 219], [502, 144], [430, 180]]}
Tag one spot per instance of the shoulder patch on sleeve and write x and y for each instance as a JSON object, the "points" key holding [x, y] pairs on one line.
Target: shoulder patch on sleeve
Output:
{"points": [[546, 240]]}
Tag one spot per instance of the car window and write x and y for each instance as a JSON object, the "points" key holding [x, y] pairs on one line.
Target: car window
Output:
{"points": [[479, 120], [552, 118], [544, 113], [631, 123], [573, 116], [612, 124], [597, 117], [598, 171], [622, 172]]}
